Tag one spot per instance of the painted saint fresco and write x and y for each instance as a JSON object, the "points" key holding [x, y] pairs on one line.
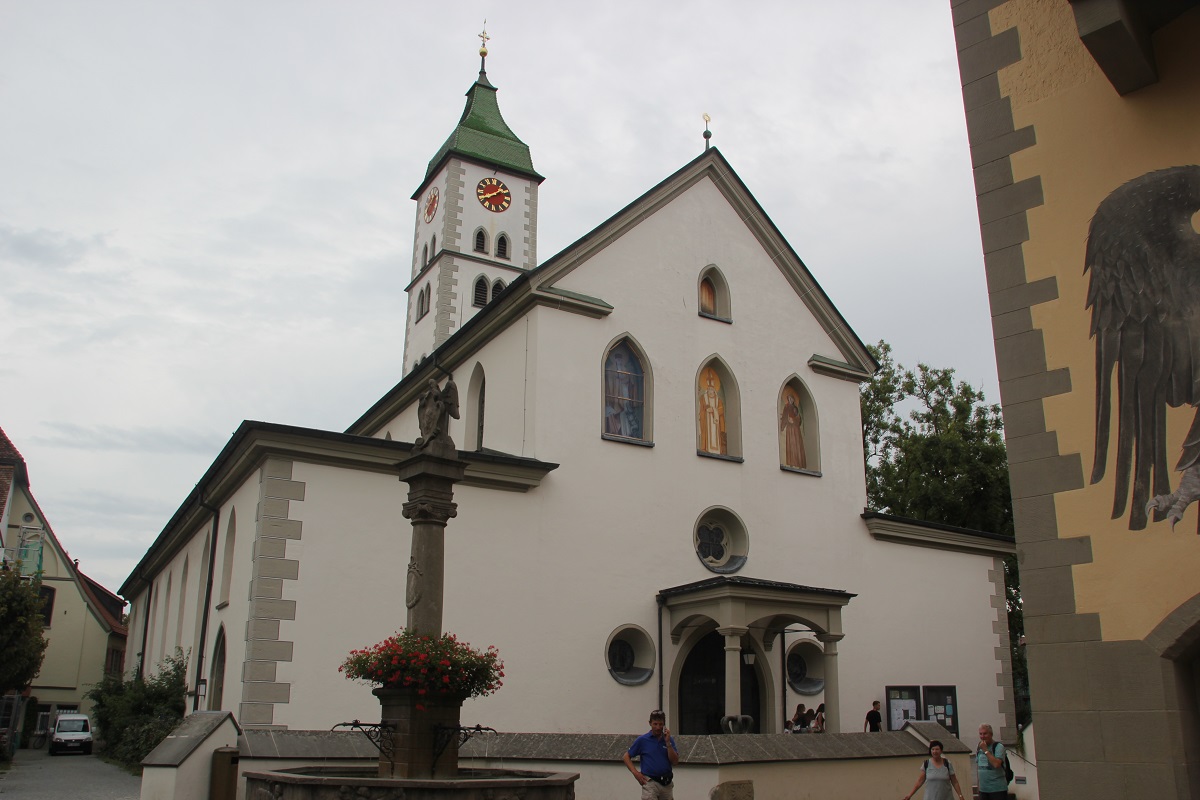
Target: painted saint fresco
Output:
{"points": [[791, 429], [624, 402], [1143, 255], [711, 403]]}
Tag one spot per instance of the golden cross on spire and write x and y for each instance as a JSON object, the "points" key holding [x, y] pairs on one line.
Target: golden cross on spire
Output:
{"points": [[483, 40]]}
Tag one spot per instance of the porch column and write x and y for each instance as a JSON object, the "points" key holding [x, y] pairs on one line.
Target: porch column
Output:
{"points": [[833, 714], [733, 669]]}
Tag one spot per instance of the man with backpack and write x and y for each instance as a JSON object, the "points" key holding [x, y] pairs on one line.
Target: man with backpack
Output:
{"points": [[992, 763]]}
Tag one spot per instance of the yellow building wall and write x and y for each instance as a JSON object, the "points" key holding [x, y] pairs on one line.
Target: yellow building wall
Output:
{"points": [[1090, 141]]}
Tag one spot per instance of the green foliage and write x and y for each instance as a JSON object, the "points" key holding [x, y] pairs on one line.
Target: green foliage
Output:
{"points": [[945, 460], [135, 715], [21, 639], [935, 451]]}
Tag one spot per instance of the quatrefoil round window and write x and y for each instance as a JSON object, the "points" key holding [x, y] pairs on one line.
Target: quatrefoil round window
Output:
{"points": [[720, 540]]}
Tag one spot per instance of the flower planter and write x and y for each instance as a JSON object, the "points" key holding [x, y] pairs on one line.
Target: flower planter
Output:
{"points": [[416, 720]]}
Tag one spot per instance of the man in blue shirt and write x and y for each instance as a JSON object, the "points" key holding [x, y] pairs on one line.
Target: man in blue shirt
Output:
{"points": [[989, 757], [658, 756]]}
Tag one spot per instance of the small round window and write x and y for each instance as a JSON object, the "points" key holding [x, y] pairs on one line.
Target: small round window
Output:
{"points": [[629, 655], [720, 541]]}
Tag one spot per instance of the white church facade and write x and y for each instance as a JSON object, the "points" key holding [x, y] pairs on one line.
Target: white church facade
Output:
{"points": [[663, 502]]}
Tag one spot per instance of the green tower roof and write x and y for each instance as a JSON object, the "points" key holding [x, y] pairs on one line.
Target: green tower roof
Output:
{"points": [[482, 135]]}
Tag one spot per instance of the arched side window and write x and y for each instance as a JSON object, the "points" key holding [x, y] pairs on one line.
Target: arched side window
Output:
{"points": [[502, 246], [227, 565], [479, 297], [628, 391], [424, 255], [183, 582], [718, 412], [713, 295], [476, 407], [202, 579], [480, 241], [799, 434], [497, 288], [166, 617], [433, 247], [216, 675]]}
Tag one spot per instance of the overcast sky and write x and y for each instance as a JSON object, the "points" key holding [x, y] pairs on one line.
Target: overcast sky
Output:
{"points": [[205, 213]]}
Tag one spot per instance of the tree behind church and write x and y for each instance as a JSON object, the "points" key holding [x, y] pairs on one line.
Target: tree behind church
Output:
{"points": [[22, 644], [934, 451]]}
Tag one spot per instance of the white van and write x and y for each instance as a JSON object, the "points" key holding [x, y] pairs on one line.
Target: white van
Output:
{"points": [[72, 734]]}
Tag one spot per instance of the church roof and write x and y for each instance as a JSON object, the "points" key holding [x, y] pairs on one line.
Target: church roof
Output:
{"points": [[482, 135]]}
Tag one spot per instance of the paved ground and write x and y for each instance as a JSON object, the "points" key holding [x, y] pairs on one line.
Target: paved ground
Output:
{"points": [[36, 776]]}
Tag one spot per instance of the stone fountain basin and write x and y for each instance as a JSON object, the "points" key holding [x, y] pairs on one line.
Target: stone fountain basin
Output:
{"points": [[355, 783]]}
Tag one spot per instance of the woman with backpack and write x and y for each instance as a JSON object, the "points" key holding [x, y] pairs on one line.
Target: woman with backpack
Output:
{"points": [[937, 774]]}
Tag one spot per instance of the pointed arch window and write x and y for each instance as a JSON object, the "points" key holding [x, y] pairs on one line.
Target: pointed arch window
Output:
{"points": [[799, 440], [502, 246], [713, 295], [718, 412], [627, 394], [216, 675], [433, 247], [480, 241], [423, 301], [183, 580], [476, 402], [479, 297], [424, 255], [227, 565], [497, 288]]}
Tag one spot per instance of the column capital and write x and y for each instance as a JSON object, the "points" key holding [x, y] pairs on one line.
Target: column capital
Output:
{"points": [[830, 638], [733, 630], [427, 511]]}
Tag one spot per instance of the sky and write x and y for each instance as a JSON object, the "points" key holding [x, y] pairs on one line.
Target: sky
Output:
{"points": [[205, 209]]}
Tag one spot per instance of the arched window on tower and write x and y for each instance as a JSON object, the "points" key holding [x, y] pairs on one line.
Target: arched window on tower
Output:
{"points": [[627, 393], [502, 246], [718, 412], [433, 247], [424, 255], [480, 241], [497, 288], [480, 297]]}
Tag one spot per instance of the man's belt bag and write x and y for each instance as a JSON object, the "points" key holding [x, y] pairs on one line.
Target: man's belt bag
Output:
{"points": [[664, 780]]}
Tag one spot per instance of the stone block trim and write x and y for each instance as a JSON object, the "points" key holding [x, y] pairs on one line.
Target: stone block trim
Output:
{"points": [[531, 211], [1004, 678], [447, 295], [272, 571], [456, 192]]}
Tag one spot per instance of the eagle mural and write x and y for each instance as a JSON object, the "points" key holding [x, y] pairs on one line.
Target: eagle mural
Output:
{"points": [[1143, 253]]}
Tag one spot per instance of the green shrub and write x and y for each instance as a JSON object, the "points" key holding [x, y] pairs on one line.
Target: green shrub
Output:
{"points": [[135, 715]]}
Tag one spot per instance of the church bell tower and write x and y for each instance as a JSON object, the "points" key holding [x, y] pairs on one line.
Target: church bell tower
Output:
{"points": [[476, 221]]}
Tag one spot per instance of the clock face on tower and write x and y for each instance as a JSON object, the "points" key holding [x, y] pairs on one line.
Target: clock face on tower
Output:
{"points": [[493, 194], [431, 203]]}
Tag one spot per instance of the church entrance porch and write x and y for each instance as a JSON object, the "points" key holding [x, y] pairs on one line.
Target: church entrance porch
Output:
{"points": [[725, 627]]}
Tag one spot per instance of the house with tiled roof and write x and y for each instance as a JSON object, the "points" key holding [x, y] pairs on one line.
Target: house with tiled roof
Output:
{"points": [[83, 620]]}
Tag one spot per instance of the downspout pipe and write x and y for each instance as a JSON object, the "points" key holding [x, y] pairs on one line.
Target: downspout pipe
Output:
{"points": [[141, 667], [661, 602], [208, 586]]}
